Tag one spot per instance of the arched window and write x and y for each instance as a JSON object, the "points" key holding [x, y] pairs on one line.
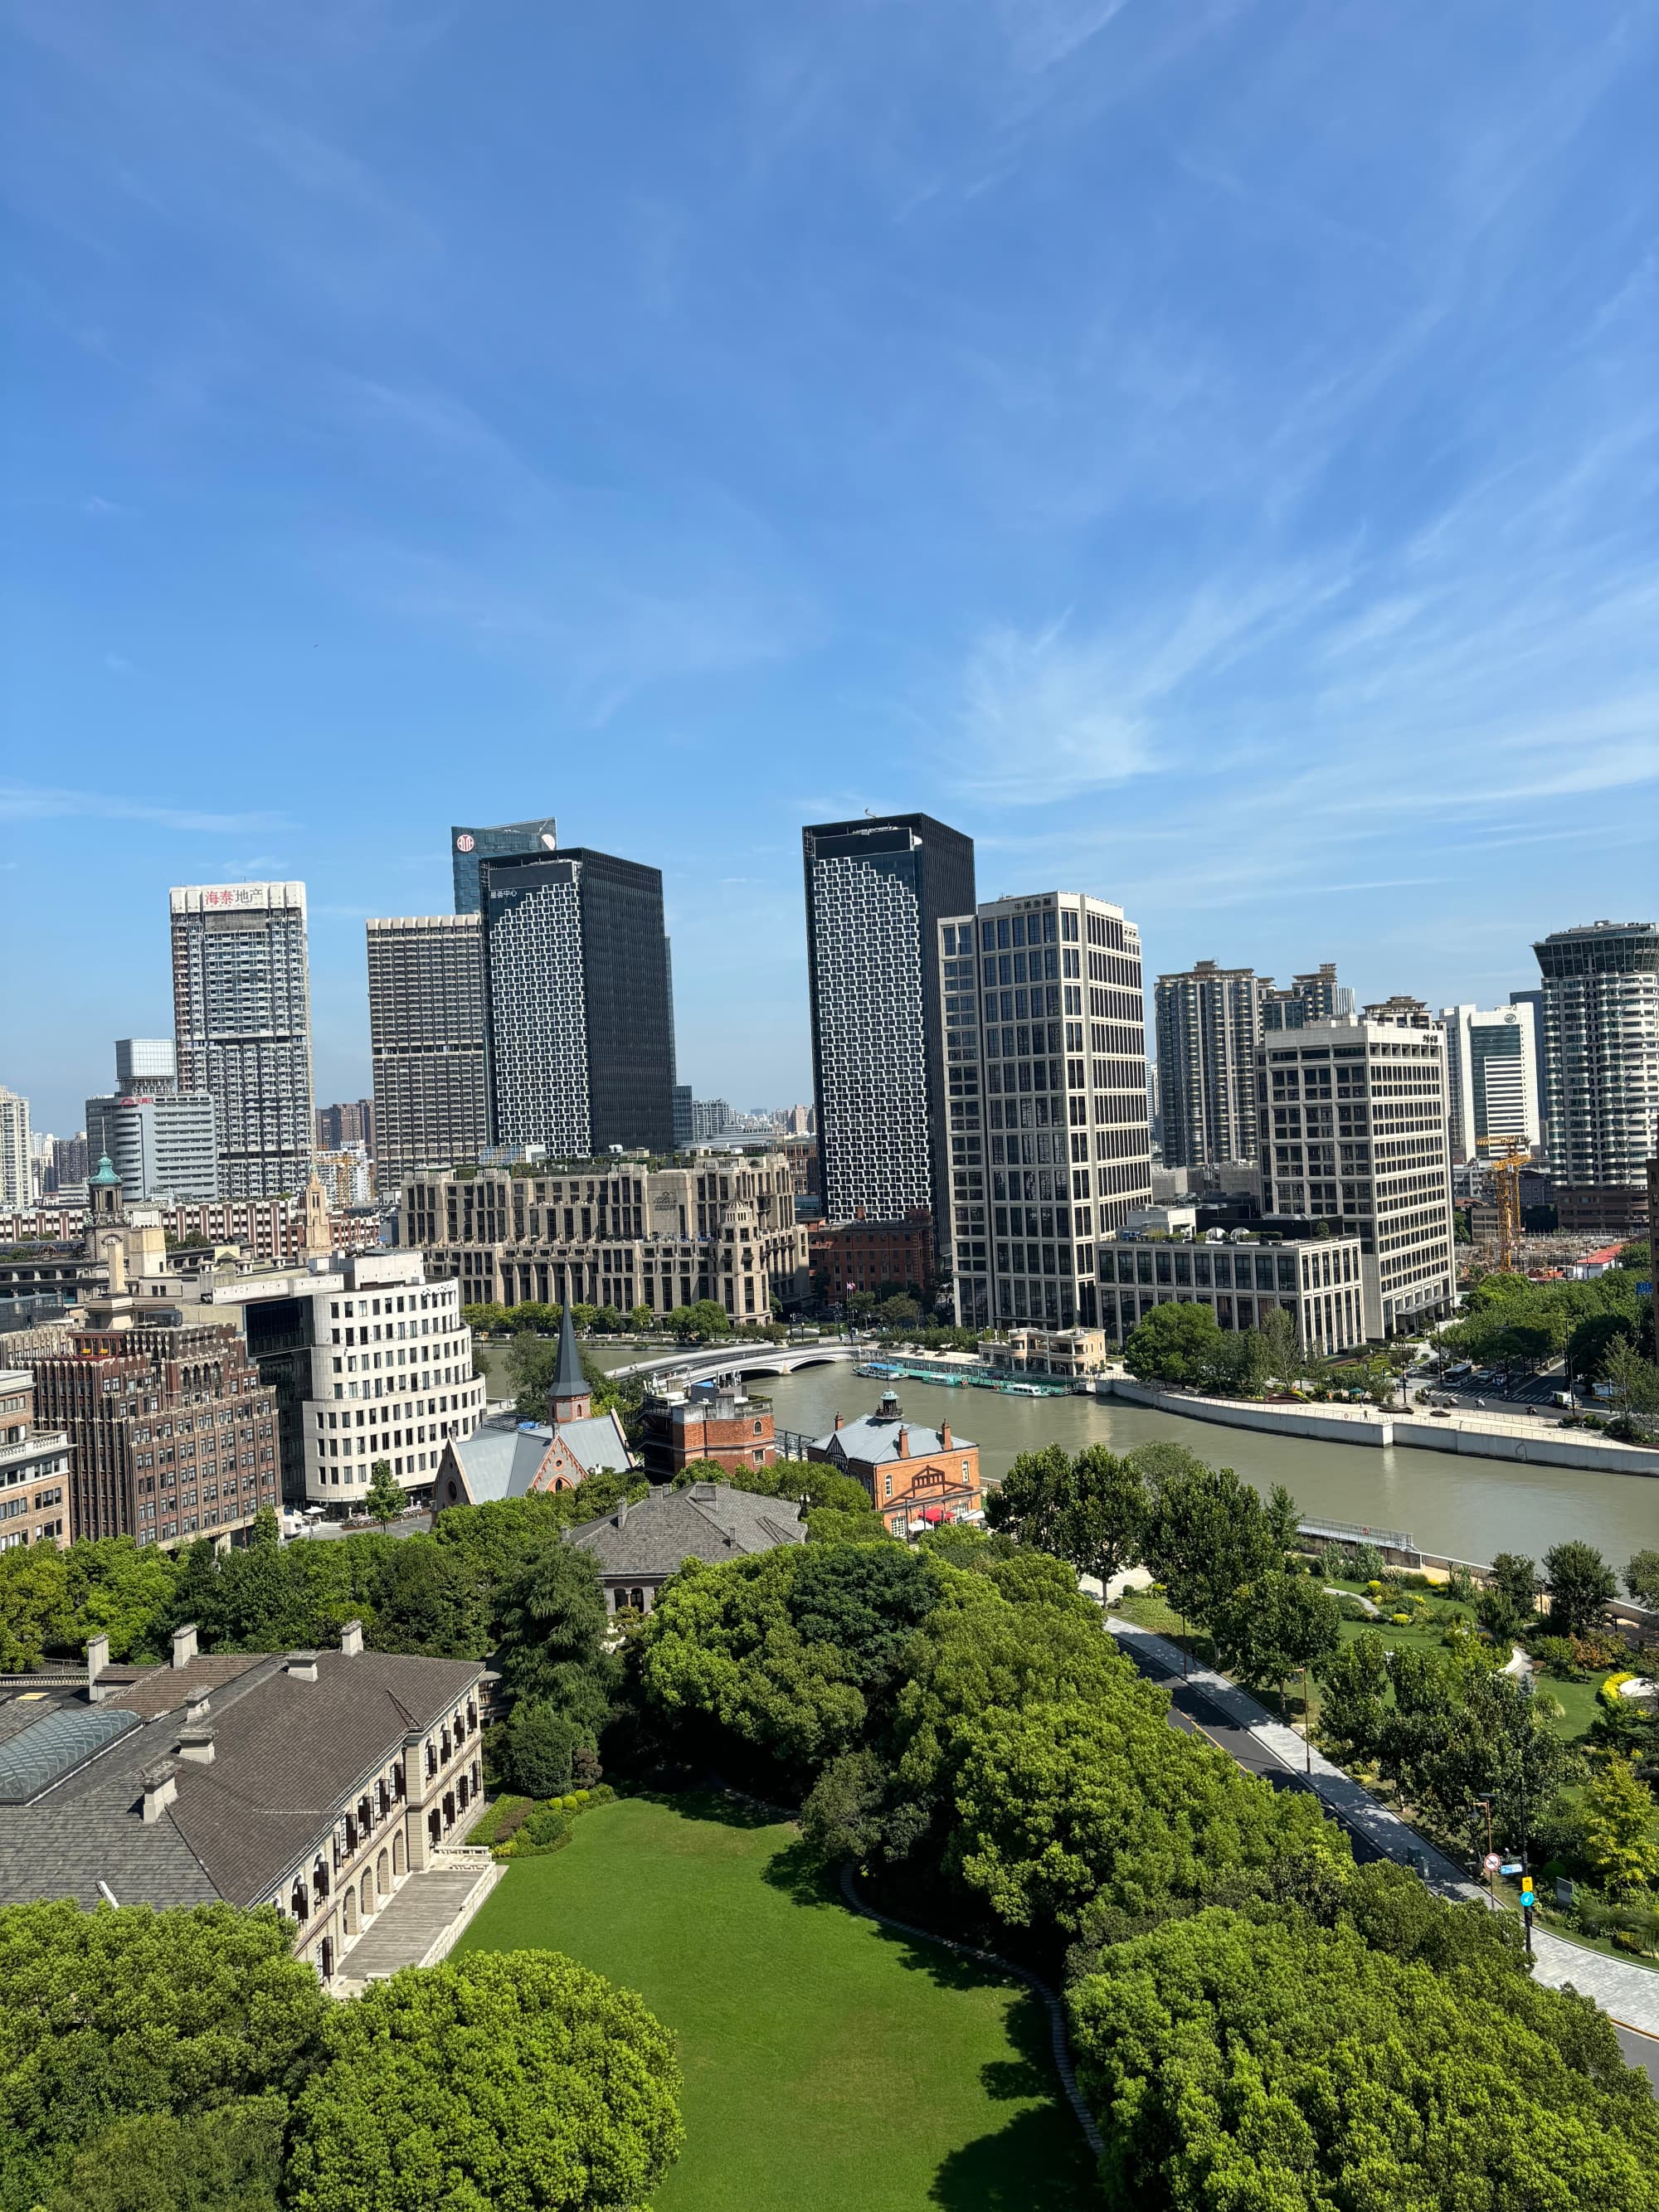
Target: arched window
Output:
{"points": [[435, 1825], [319, 1876], [300, 1902], [325, 1958]]}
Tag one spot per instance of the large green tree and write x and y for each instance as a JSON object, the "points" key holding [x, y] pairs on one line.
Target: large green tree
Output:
{"points": [[503, 2081], [1206, 1534], [112, 2017], [553, 1620], [1581, 1584], [1173, 1344], [1286, 2067]]}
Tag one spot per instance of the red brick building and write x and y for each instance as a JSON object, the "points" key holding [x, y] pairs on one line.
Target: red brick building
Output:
{"points": [[869, 1255], [712, 1421], [915, 1477]]}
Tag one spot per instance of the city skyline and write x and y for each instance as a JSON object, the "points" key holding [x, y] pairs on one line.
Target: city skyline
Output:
{"points": [[1206, 463]]}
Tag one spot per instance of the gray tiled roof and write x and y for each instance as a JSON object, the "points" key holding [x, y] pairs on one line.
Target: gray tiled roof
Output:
{"points": [[708, 1521], [504, 1462], [871, 1441], [286, 1753]]}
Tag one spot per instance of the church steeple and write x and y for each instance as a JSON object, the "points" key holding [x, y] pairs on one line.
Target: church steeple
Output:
{"points": [[572, 1399]]}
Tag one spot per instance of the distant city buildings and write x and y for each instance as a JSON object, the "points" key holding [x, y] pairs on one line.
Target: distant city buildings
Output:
{"points": [[163, 1142], [1601, 1005], [1316, 997], [351, 1123], [16, 1168], [617, 1232], [1353, 1132], [576, 1004], [426, 1033], [877, 889], [1491, 1078], [1209, 1022], [242, 1022], [1044, 1019], [469, 848]]}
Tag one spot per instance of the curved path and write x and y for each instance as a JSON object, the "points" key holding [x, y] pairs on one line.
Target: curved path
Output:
{"points": [[1063, 2067]]}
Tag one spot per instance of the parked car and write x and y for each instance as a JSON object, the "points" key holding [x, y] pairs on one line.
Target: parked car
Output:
{"points": [[1562, 1398]]}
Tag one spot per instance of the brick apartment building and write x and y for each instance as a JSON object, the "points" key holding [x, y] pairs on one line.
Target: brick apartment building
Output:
{"points": [[33, 1469], [715, 1421], [172, 1434], [871, 1255]]}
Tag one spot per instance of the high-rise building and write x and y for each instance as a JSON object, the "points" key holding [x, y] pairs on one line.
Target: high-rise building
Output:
{"points": [[1536, 1000], [684, 1117], [877, 890], [576, 1006], [468, 848], [426, 1033], [1316, 997], [70, 1166], [351, 1122], [710, 1117], [163, 1142], [241, 1009], [1600, 988], [1490, 1076], [1044, 1019], [1209, 1021], [1353, 1131], [16, 1172]]}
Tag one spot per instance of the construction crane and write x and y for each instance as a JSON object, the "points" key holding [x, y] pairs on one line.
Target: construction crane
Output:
{"points": [[1506, 1157]]}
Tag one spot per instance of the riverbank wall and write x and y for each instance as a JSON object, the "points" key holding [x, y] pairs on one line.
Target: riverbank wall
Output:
{"points": [[1517, 1441]]}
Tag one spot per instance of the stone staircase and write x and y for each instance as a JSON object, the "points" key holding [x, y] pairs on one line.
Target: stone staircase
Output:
{"points": [[419, 1924]]}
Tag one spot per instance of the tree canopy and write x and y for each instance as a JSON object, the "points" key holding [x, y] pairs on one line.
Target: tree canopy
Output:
{"points": [[502, 2082]]}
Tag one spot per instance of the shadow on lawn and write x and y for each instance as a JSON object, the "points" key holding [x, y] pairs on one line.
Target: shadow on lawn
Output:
{"points": [[726, 1809], [1024, 2167]]}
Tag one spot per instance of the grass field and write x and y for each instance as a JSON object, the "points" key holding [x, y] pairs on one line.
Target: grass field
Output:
{"points": [[829, 2066]]}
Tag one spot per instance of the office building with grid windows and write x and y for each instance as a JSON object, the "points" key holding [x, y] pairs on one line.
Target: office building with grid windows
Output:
{"points": [[1045, 1078], [242, 1012], [1492, 1088], [877, 889], [426, 1033], [580, 1034], [1351, 1121], [470, 849]]}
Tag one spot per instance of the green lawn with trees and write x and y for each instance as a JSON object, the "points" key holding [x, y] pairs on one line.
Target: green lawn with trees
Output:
{"points": [[827, 2063]]}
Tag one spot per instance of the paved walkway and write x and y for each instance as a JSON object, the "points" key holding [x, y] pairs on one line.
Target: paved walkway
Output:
{"points": [[419, 1924], [1629, 1993]]}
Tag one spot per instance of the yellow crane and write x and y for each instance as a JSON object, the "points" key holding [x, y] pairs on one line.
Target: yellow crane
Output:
{"points": [[1506, 1157]]}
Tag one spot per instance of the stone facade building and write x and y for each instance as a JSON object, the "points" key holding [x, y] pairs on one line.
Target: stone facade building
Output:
{"points": [[1318, 1281], [320, 1783], [616, 1232]]}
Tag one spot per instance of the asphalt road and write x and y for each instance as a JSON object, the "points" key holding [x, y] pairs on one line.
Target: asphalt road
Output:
{"points": [[1191, 1710]]}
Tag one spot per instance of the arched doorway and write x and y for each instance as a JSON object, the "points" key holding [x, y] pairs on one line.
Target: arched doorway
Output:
{"points": [[383, 1874], [366, 1896], [399, 1865], [349, 1917]]}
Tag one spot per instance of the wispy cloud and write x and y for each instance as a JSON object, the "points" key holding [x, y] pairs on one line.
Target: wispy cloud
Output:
{"points": [[21, 802]]}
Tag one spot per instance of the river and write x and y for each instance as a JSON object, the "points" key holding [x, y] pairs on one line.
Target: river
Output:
{"points": [[1464, 1508], [1468, 1509]]}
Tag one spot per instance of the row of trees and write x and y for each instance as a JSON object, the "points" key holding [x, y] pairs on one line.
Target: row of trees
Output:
{"points": [[1603, 1328], [1257, 2020], [185, 2062], [702, 1322]]}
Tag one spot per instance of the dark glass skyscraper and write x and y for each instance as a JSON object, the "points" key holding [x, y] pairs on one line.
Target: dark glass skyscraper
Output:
{"points": [[576, 1003], [467, 847], [876, 891]]}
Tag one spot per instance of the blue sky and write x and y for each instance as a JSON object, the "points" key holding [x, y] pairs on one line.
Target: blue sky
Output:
{"points": [[1207, 451]]}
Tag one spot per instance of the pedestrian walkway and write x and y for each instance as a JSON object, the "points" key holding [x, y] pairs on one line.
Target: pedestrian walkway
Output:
{"points": [[1627, 1993]]}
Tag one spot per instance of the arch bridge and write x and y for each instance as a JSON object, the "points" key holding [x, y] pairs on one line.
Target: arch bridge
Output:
{"points": [[699, 1363]]}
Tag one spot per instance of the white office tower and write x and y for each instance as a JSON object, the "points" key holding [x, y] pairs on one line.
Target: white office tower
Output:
{"points": [[242, 1005], [17, 1167], [1209, 1019], [166, 1150], [426, 1033], [145, 1067], [1492, 1085], [1601, 996], [1045, 1072], [1353, 1131]]}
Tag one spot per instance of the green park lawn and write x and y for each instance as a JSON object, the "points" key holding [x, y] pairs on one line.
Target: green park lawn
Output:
{"points": [[830, 2066]]}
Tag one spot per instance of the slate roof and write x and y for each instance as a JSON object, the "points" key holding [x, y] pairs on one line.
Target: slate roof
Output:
{"points": [[504, 1462], [707, 1521], [872, 1440], [286, 1753], [570, 1382]]}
